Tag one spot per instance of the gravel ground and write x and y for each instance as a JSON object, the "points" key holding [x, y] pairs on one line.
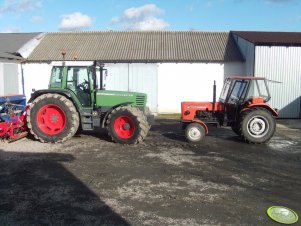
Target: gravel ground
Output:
{"points": [[90, 180]]}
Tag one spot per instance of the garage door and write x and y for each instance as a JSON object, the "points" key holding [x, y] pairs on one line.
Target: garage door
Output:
{"points": [[9, 79], [281, 64], [134, 78]]}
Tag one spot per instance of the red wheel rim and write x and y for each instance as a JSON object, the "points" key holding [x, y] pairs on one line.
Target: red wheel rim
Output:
{"points": [[124, 127], [51, 119]]}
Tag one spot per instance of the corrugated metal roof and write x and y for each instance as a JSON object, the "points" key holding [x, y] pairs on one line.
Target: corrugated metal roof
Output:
{"points": [[271, 38], [10, 43], [138, 46]]}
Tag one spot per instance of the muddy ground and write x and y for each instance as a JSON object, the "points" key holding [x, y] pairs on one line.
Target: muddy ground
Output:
{"points": [[90, 180]]}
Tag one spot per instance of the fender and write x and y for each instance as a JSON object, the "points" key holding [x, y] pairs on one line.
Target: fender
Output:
{"points": [[44, 91], [198, 121], [273, 111], [56, 91], [103, 123]]}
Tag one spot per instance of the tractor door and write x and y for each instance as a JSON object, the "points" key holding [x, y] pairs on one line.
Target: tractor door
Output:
{"points": [[233, 102], [79, 81]]}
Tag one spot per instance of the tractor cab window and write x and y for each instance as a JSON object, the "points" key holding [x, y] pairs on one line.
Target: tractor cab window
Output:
{"points": [[56, 77], [78, 82], [259, 89], [237, 92], [225, 91]]}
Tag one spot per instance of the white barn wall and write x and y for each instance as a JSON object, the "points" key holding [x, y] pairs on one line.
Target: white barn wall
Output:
{"points": [[36, 76], [20, 85], [1, 80], [187, 82]]}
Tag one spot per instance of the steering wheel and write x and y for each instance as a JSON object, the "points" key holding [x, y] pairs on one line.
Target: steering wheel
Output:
{"points": [[84, 85]]}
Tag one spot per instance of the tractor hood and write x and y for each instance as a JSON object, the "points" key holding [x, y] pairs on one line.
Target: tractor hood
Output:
{"points": [[109, 98]]}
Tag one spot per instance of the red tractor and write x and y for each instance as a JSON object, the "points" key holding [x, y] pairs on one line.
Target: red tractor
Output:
{"points": [[242, 105]]}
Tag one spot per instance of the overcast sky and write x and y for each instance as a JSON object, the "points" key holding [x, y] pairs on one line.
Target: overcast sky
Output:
{"points": [[200, 15]]}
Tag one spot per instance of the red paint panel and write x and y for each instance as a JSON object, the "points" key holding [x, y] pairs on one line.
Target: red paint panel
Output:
{"points": [[266, 106], [193, 107]]}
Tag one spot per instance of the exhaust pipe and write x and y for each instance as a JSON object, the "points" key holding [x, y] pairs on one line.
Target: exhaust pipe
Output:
{"points": [[214, 96]]}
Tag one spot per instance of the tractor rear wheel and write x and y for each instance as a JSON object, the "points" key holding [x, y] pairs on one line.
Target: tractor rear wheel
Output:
{"points": [[257, 126], [194, 132], [127, 125], [52, 118]]}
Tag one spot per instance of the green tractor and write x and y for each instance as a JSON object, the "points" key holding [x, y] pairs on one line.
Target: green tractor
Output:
{"points": [[76, 101]]}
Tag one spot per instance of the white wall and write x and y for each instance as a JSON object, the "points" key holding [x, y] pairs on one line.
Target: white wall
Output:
{"points": [[36, 76], [1, 80], [187, 82]]}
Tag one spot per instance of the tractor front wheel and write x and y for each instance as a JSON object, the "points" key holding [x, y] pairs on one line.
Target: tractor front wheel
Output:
{"points": [[257, 126], [127, 125], [194, 132], [52, 118]]}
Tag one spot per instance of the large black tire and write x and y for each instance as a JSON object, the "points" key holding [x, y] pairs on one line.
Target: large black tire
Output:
{"points": [[150, 121], [127, 125], [257, 126], [194, 132], [52, 118]]}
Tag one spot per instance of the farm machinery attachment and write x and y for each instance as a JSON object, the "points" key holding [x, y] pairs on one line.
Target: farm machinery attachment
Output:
{"points": [[13, 124]]}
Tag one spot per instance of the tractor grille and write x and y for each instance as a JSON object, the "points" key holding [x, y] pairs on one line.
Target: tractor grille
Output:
{"points": [[140, 100]]}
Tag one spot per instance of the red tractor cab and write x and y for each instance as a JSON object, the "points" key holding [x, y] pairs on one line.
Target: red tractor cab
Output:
{"points": [[242, 105]]}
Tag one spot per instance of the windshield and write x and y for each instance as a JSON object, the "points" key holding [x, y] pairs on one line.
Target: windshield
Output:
{"points": [[56, 77], [238, 90], [225, 91]]}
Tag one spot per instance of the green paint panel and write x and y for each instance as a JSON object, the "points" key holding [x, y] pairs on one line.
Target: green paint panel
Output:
{"points": [[111, 98]]}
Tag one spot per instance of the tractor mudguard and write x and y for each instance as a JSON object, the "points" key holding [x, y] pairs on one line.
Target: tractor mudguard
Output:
{"points": [[108, 111], [197, 121], [44, 91], [263, 105], [65, 93]]}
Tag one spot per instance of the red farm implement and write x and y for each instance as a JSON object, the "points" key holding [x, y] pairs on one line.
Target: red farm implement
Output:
{"points": [[13, 124]]}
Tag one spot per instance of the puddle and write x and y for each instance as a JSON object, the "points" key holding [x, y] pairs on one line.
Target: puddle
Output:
{"points": [[279, 144]]}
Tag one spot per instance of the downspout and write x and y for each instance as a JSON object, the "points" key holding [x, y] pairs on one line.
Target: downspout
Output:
{"points": [[254, 60], [22, 77], [128, 77]]}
